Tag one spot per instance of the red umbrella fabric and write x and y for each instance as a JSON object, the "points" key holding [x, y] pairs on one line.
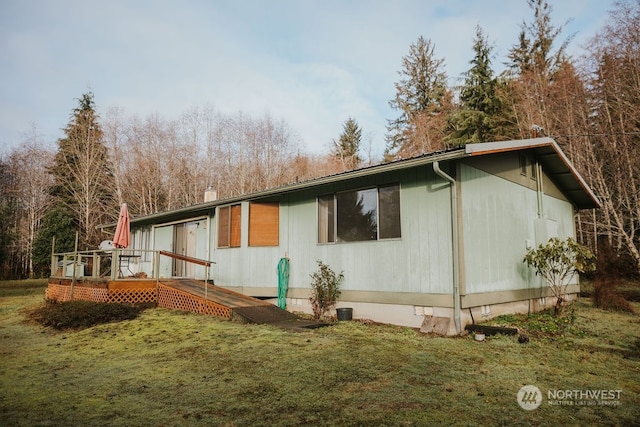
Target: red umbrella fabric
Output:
{"points": [[123, 229]]}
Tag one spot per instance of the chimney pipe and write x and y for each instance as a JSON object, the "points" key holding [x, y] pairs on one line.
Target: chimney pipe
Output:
{"points": [[210, 194]]}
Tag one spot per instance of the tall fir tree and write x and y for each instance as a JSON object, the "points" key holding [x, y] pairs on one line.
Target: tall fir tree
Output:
{"points": [[535, 49], [423, 99], [83, 173], [482, 115], [534, 64], [346, 149]]}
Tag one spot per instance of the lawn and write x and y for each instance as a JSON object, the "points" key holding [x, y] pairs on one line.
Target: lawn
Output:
{"points": [[169, 368]]}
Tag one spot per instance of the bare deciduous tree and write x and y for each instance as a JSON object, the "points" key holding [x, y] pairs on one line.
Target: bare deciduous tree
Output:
{"points": [[614, 146], [30, 162]]}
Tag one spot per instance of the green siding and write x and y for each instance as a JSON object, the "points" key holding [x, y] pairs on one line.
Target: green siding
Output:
{"points": [[419, 262], [245, 266], [499, 222]]}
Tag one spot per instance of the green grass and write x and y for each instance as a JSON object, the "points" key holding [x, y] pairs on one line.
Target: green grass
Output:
{"points": [[22, 287], [169, 368]]}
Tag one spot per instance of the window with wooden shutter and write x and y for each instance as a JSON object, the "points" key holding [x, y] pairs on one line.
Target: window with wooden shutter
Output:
{"points": [[223, 227], [264, 224], [229, 220], [235, 226]]}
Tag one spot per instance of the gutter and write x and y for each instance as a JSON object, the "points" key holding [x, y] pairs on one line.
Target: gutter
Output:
{"points": [[455, 243]]}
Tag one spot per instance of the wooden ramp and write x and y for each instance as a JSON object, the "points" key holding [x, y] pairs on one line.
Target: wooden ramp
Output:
{"points": [[190, 295], [214, 293]]}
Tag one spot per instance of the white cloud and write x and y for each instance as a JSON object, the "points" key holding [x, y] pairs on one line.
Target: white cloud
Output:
{"points": [[308, 62]]}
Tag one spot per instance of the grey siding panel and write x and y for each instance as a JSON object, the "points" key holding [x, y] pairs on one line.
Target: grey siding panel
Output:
{"points": [[499, 218], [202, 233]]}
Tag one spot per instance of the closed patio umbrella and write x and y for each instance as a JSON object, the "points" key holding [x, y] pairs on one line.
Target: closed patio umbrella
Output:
{"points": [[123, 229]]}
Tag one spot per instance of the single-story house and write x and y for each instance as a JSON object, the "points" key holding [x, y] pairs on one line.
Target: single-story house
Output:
{"points": [[437, 239]]}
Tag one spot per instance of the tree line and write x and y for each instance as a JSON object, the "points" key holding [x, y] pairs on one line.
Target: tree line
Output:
{"points": [[589, 105]]}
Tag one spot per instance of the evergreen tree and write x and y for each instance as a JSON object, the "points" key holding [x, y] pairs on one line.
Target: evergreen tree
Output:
{"points": [[59, 224], [346, 148], [534, 66], [83, 173], [422, 97], [482, 115], [534, 52]]}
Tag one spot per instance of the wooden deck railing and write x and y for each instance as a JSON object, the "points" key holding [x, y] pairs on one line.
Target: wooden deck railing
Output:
{"points": [[117, 264], [198, 261], [111, 266], [106, 265]]}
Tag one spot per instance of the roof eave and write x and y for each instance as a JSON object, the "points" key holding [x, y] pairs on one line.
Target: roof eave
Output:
{"points": [[578, 190]]}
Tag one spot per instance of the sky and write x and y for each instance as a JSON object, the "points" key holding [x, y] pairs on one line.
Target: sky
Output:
{"points": [[311, 63]]}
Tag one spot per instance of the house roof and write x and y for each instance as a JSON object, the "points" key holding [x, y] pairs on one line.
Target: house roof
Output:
{"points": [[554, 163], [546, 150]]}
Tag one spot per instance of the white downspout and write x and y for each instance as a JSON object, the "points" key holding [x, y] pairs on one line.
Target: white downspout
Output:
{"points": [[208, 271], [454, 243], [539, 189]]}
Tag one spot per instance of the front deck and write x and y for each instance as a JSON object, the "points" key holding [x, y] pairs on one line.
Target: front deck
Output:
{"points": [[92, 279]]}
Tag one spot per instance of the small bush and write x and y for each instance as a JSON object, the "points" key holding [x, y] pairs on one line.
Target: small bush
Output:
{"points": [[83, 314], [557, 263], [325, 289]]}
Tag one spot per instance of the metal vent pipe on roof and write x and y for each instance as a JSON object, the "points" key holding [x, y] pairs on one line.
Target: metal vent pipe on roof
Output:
{"points": [[210, 194]]}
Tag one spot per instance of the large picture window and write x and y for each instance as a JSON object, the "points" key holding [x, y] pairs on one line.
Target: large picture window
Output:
{"points": [[229, 218], [351, 216]]}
